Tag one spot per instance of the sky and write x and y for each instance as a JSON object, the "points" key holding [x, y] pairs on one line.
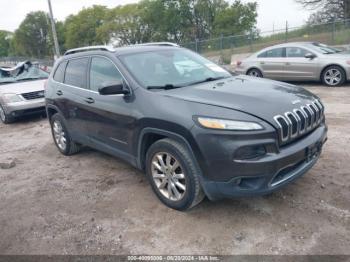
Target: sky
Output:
{"points": [[270, 12]]}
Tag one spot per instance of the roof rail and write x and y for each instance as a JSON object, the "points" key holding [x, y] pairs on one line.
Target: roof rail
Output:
{"points": [[158, 44], [89, 48]]}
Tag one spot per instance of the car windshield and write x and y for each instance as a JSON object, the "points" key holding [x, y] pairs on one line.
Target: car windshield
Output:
{"points": [[167, 69], [324, 49], [22, 72]]}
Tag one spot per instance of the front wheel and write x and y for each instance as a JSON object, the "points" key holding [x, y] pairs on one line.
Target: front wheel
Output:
{"points": [[333, 76], [174, 175], [255, 73], [5, 118]]}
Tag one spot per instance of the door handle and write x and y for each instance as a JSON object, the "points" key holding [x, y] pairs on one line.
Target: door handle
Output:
{"points": [[287, 63], [59, 93], [89, 100], [262, 63]]}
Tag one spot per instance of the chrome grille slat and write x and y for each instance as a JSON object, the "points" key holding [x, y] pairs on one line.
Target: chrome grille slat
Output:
{"points": [[33, 95], [298, 121]]}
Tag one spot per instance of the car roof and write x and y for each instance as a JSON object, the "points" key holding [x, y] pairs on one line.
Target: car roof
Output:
{"points": [[288, 45]]}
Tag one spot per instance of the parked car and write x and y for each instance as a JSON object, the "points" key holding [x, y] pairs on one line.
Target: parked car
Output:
{"points": [[304, 61], [196, 131], [21, 91]]}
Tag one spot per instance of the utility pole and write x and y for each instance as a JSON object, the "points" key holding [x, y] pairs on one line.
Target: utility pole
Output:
{"points": [[54, 33]]}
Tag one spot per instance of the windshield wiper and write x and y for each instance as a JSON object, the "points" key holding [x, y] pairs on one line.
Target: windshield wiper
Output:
{"points": [[209, 79], [164, 87]]}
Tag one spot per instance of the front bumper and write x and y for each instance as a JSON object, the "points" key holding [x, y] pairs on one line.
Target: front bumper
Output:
{"points": [[269, 173], [25, 107]]}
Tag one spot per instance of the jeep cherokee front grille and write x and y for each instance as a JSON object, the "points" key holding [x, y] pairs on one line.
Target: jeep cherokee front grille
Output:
{"points": [[299, 121]]}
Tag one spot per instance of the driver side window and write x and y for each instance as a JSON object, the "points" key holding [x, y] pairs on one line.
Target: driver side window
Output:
{"points": [[102, 73], [296, 52]]}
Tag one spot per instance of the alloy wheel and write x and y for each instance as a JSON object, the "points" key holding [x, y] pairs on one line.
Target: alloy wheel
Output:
{"points": [[60, 135], [333, 77], [254, 73], [169, 176]]}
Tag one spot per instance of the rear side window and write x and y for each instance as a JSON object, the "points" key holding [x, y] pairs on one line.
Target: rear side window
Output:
{"points": [[277, 52], [102, 73], [59, 74], [76, 72]]}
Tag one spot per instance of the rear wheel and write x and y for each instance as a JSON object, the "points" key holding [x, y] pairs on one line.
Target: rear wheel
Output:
{"points": [[62, 139], [333, 76], [5, 118], [174, 175], [255, 73]]}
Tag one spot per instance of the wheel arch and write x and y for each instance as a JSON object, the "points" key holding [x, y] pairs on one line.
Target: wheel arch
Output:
{"points": [[150, 135], [329, 65], [254, 68]]}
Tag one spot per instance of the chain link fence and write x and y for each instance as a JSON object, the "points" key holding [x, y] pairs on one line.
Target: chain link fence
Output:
{"points": [[335, 33]]}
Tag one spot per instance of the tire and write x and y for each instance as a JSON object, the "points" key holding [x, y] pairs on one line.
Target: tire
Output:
{"points": [[70, 147], [5, 118], [333, 76], [255, 73], [188, 169]]}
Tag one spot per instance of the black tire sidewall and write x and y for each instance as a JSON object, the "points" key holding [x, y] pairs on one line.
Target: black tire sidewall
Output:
{"points": [[256, 70], [190, 193], [8, 119], [57, 117], [343, 75]]}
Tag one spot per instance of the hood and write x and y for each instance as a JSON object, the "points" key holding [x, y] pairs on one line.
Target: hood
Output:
{"points": [[261, 98], [343, 55], [23, 87]]}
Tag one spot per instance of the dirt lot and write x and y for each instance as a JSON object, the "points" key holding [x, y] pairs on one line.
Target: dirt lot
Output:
{"points": [[92, 203]]}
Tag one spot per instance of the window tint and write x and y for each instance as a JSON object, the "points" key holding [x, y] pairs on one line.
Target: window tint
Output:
{"points": [[103, 72], [296, 52], [76, 72], [59, 74], [278, 52]]}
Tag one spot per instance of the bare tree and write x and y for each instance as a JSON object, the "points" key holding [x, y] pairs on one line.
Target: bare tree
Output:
{"points": [[327, 10]]}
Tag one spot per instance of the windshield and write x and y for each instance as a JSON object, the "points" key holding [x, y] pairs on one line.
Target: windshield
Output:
{"points": [[172, 68], [25, 72], [324, 49]]}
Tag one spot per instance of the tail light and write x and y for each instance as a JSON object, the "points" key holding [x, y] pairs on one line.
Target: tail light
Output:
{"points": [[348, 62], [238, 63]]}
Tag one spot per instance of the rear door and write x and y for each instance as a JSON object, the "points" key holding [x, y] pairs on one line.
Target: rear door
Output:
{"points": [[74, 90], [272, 63], [297, 67]]}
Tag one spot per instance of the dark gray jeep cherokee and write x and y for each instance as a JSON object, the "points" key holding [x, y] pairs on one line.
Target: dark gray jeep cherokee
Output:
{"points": [[195, 129]]}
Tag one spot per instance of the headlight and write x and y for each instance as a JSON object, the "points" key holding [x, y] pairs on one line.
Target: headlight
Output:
{"points": [[12, 98], [224, 124]]}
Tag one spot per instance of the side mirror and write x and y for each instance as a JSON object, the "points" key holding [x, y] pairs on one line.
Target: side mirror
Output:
{"points": [[113, 88], [310, 56]]}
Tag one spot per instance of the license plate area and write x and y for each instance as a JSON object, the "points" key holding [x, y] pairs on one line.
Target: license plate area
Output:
{"points": [[313, 151]]}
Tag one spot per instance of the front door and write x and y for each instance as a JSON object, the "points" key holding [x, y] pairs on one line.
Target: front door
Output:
{"points": [[110, 116], [298, 67]]}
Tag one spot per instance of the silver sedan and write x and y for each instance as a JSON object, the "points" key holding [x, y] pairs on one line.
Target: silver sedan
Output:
{"points": [[303, 61]]}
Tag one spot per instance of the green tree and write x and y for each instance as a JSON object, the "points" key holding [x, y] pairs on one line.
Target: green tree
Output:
{"points": [[82, 29], [125, 25], [237, 19], [32, 36], [4, 43]]}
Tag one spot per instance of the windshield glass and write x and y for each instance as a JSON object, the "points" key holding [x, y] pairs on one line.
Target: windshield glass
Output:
{"points": [[175, 68], [324, 49], [26, 71]]}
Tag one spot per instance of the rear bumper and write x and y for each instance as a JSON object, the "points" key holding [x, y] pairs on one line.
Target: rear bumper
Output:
{"points": [[25, 107], [271, 172]]}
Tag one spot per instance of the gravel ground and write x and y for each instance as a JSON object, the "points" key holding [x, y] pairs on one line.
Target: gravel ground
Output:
{"points": [[92, 203]]}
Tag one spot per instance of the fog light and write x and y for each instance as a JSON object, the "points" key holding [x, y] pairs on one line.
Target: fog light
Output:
{"points": [[250, 152]]}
